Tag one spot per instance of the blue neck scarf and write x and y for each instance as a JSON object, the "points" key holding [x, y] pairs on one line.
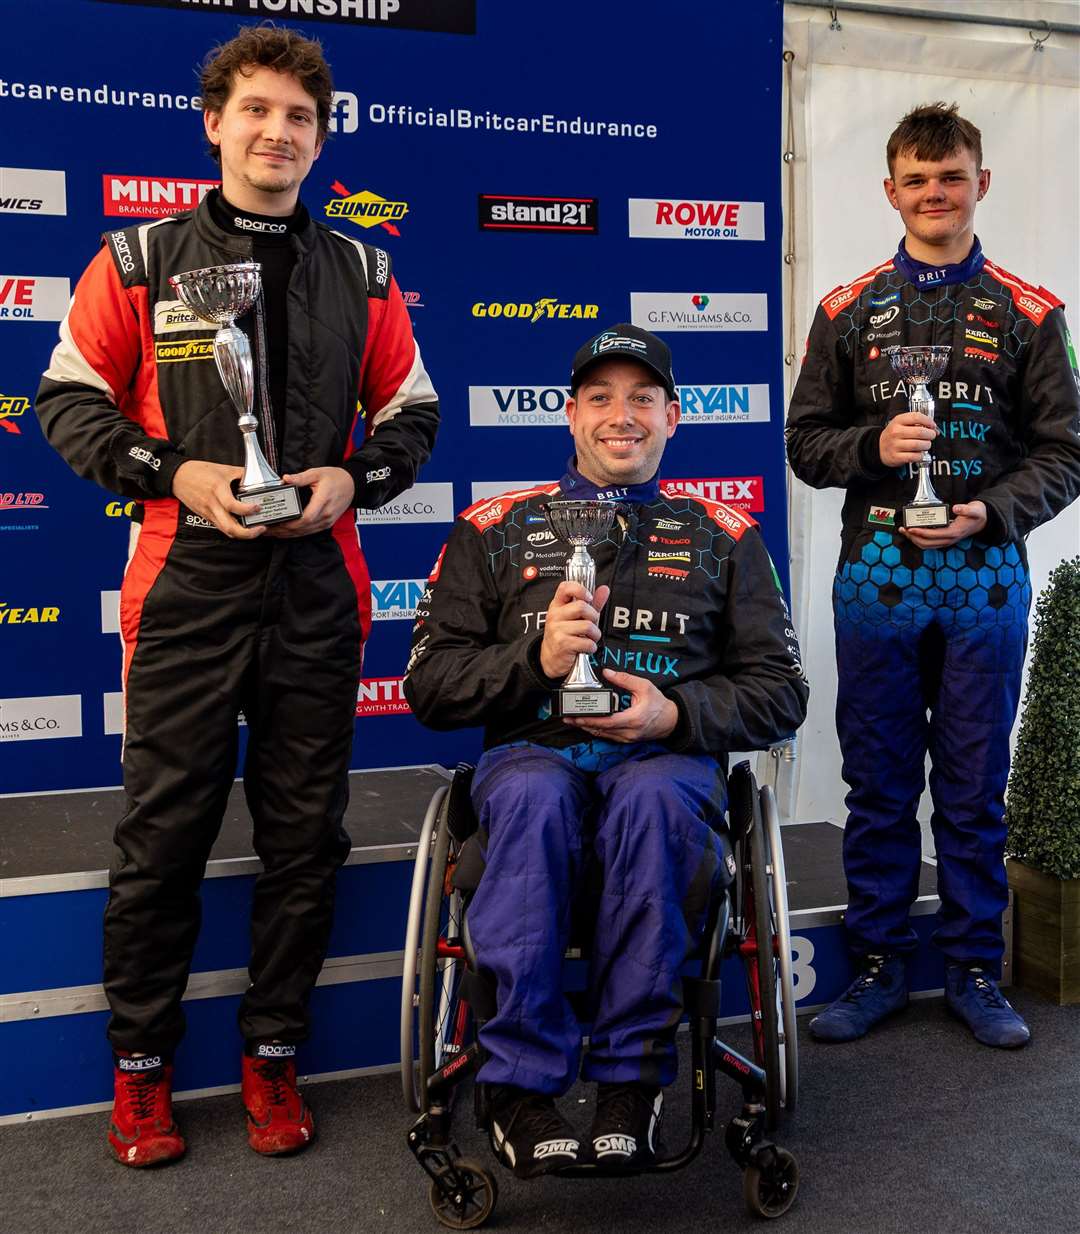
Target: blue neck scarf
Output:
{"points": [[575, 487], [922, 274]]}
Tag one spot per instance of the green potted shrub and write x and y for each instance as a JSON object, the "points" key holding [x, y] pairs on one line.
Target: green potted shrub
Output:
{"points": [[1043, 804]]}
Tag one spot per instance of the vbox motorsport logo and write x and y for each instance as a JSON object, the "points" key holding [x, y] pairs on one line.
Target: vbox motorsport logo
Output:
{"points": [[366, 209]]}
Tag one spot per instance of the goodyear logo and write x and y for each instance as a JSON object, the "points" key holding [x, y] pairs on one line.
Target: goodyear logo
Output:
{"points": [[179, 353], [543, 309], [12, 405], [366, 209]]}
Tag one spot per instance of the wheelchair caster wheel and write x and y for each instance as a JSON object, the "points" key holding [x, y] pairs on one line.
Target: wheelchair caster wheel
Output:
{"points": [[464, 1195], [770, 1183]]}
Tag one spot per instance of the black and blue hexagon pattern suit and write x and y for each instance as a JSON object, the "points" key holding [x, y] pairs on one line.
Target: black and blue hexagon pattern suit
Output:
{"points": [[930, 643]]}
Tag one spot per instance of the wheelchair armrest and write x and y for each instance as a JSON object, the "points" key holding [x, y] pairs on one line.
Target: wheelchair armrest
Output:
{"points": [[741, 797], [460, 815]]}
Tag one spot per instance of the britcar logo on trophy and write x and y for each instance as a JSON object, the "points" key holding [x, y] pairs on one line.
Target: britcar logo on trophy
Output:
{"points": [[674, 219]]}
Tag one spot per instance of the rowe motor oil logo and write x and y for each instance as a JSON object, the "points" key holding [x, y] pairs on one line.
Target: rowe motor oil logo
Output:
{"points": [[366, 209]]}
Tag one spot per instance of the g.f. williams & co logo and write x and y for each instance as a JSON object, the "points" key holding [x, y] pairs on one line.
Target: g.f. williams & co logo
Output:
{"points": [[38, 719]]}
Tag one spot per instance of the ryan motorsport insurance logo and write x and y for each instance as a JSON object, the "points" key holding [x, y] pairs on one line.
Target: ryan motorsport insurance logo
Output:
{"points": [[538, 406]]}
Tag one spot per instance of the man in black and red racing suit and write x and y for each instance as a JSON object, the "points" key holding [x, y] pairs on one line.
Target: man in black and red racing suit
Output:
{"points": [[218, 618], [693, 631], [933, 619]]}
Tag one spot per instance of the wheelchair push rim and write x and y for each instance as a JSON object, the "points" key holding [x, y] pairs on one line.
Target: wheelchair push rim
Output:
{"points": [[785, 987]]}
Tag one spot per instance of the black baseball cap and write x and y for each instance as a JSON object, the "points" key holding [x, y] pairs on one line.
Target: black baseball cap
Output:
{"points": [[627, 342]]}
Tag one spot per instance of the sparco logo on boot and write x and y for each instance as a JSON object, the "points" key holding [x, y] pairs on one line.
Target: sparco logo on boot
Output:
{"points": [[505, 213]]}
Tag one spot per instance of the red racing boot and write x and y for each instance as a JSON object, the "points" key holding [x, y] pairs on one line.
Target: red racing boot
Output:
{"points": [[142, 1131], [278, 1118]]}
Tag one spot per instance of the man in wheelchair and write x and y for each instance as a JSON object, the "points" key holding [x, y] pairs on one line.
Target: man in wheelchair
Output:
{"points": [[692, 632]]}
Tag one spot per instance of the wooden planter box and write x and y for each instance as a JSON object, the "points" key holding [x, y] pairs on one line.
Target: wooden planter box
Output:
{"points": [[1046, 938]]}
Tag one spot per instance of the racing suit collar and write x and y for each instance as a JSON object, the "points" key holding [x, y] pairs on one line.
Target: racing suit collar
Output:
{"points": [[209, 229], [923, 274], [575, 487]]}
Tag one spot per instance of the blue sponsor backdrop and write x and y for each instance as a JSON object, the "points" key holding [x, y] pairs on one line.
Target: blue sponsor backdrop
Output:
{"points": [[654, 122]]}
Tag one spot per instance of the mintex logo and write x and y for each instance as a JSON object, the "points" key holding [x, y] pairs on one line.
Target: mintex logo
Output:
{"points": [[32, 297], [423, 503], [657, 218], [12, 405], [151, 197], [26, 190], [396, 599], [499, 213], [701, 310], [366, 209], [745, 493], [38, 719], [381, 696]]}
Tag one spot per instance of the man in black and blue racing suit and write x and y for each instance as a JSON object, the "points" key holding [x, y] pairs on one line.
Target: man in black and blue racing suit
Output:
{"points": [[933, 619]]}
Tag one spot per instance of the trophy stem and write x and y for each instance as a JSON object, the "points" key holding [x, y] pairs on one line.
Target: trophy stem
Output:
{"points": [[258, 474], [924, 490], [581, 569]]}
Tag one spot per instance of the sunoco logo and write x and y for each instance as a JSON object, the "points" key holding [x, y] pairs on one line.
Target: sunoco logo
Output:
{"points": [[544, 309], [151, 197], [180, 353], [12, 405], [366, 209]]}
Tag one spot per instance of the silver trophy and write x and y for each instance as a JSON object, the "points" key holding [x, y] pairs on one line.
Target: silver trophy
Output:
{"points": [[218, 295], [579, 524], [918, 366]]}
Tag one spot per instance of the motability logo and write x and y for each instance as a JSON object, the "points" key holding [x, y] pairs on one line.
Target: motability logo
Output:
{"points": [[700, 302], [366, 209]]}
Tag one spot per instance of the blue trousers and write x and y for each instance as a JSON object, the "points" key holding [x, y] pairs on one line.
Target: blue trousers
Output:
{"points": [[928, 659], [646, 815]]}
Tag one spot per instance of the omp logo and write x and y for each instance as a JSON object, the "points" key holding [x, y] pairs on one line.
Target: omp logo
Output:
{"points": [[671, 219], [624, 1145], [555, 1148], [877, 320], [1032, 308], [38, 719], [724, 404], [381, 696], [492, 514], [151, 197], [33, 297], [501, 213], [701, 310], [742, 492], [142, 455], [396, 599], [171, 317], [366, 209], [12, 405], [29, 190], [10, 615], [344, 112], [180, 353], [545, 309]]}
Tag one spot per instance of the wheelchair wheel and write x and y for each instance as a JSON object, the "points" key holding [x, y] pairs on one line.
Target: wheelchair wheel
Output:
{"points": [[785, 986], [444, 1022], [761, 970], [409, 996], [771, 1185], [473, 1199]]}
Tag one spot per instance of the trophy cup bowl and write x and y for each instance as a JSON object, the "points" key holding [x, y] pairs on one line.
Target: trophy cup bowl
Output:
{"points": [[218, 295], [918, 366], [579, 524]]}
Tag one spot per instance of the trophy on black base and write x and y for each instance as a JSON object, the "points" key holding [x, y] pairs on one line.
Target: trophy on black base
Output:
{"points": [[218, 295], [579, 524], [918, 366]]}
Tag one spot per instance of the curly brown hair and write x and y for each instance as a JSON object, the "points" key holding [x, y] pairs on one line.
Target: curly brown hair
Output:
{"points": [[932, 132], [272, 47]]}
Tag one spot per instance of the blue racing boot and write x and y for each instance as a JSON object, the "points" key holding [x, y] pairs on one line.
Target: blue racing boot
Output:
{"points": [[878, 991], [972, 995]]}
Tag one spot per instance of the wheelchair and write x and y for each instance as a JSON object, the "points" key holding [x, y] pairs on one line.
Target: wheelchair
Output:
{"points": [[444, 1000]]}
